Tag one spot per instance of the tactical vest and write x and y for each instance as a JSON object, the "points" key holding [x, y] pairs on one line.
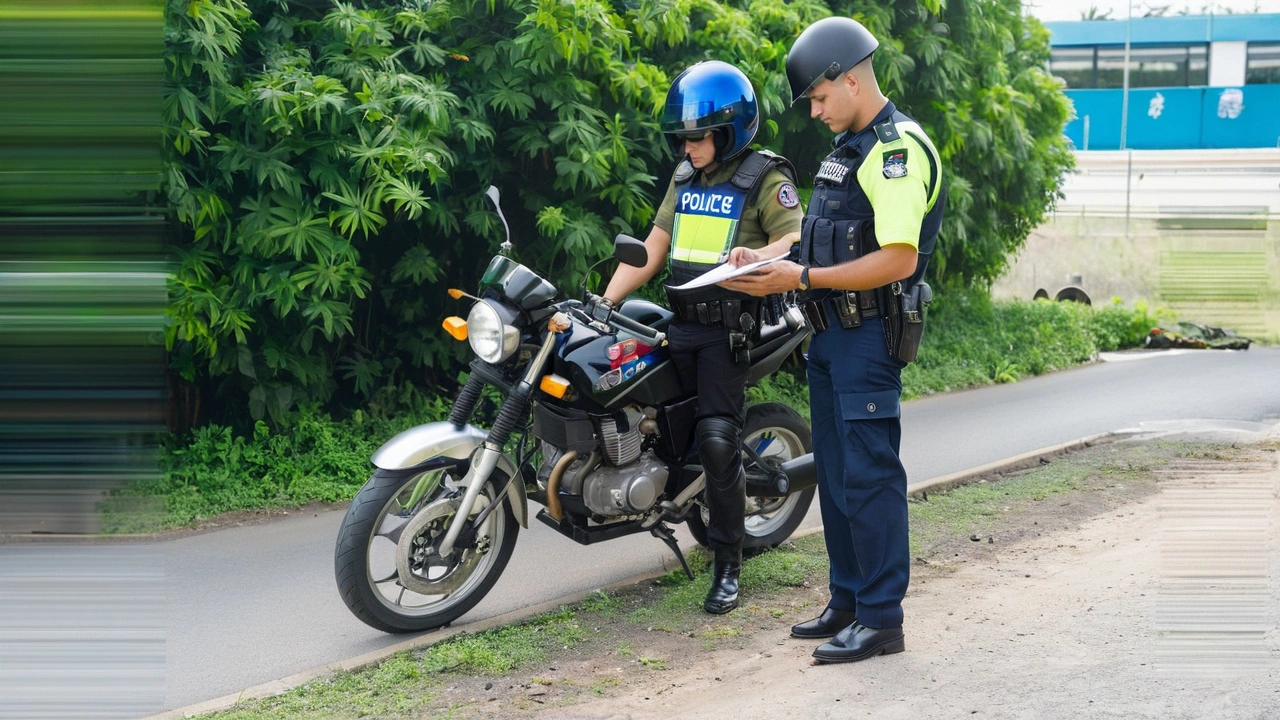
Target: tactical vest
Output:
{"points": [[707, 218], [839, 224]]}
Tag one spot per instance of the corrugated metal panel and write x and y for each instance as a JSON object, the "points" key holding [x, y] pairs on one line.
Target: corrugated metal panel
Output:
{"points": [[1178, 118], [1182, 29]]}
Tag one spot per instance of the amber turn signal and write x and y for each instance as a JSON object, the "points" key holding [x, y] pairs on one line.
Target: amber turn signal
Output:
{"points": [[554, 385], [455, 293], [457, 327]]}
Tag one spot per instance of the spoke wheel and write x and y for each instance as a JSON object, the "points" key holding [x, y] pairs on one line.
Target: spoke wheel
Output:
{"points": [[387, 561]]}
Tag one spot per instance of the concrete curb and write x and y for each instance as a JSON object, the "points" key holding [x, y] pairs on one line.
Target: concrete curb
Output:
{"points": [[276, 687]]}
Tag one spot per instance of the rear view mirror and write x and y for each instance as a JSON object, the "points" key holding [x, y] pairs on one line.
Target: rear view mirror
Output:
{"points": [[630, 251]]}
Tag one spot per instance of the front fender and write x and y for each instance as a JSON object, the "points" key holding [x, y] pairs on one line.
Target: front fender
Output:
{"points": [[444, 439]]}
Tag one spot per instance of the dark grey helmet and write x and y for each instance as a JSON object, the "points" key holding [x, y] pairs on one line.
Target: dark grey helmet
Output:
{"points": [[826, 49]]}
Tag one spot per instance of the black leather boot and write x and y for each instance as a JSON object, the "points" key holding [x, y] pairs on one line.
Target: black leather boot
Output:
{"points": [[826, 625], [723, 595]]}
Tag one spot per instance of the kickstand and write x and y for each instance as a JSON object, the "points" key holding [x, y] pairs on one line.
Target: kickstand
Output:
{"points": [[663, 533]]}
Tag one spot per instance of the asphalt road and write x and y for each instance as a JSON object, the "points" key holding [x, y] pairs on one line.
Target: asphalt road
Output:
{"points": [[248, 605]]}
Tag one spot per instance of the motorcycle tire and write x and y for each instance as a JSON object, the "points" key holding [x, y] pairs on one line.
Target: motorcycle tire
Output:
{"points": [[368, 581], [776, 430]]}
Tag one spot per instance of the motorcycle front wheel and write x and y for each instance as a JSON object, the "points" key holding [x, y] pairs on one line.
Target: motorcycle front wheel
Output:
{"points": [[386, 562], [775, 432]]}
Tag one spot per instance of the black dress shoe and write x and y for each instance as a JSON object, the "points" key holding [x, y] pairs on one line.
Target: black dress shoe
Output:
{"points": [[827, 624], [723, 595], [859, 642]]}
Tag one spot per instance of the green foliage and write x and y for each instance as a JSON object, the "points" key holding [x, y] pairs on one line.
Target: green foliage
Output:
{"points": [[787, 386], [1116, 327], [214, 470], [327, 160], [971, 341]]}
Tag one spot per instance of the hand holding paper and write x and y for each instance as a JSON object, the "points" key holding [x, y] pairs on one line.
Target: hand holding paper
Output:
{"points": [[726, 271]]}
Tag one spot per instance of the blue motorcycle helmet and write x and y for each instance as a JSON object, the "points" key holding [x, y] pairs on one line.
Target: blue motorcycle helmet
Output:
{"points": [[716, 96]]}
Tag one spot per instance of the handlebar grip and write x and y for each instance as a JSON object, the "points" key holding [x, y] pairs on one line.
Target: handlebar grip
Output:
{"points": [[636, 327]]}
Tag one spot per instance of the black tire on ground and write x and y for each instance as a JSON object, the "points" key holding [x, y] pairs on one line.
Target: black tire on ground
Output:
{"points": [[357, 534], [784, 434]]}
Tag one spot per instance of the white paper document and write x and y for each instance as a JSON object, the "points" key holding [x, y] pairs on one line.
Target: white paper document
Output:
{"points": [[720, 273]]}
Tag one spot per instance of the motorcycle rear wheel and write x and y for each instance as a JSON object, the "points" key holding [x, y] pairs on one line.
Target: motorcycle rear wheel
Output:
{"points": [[774, 431], [369, 547]]}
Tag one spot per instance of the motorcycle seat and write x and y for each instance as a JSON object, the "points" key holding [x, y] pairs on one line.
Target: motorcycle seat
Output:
{"points": [[647, 313]]}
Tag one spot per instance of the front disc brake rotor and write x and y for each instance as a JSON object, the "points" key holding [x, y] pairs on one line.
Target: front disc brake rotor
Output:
{"points": [[450, 579]]}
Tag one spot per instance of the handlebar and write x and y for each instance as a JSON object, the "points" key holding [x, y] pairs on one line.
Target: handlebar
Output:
{"points": [[618, 319], [636, 327]]}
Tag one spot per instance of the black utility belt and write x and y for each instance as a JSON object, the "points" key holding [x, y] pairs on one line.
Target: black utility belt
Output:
{"points": [[718, 312], [846, 309]]}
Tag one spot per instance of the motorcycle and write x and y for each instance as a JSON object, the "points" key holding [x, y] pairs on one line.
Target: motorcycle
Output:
{"points": [[594, 426]]}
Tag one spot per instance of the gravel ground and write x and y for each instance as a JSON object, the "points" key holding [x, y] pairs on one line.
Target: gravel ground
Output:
{"points": [[1143, 602]]}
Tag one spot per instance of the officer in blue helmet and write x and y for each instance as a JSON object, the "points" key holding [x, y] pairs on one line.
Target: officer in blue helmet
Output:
{"points": [[721, 196], [871, 226]]}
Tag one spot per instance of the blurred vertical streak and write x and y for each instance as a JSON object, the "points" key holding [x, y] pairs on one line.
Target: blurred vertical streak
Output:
{"points": [[82, 295]]}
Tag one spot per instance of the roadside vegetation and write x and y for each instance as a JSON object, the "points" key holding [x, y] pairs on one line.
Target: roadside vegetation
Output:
{"points": [[326, 163], [325, 169], [970, 341], [612, 640]]}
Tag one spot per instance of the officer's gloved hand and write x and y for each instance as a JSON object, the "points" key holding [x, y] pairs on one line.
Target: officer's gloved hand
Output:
{"points": [[599, 307]]}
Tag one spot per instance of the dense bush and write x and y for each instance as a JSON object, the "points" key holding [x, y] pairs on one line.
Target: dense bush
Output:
{"points": [[972, 341], [326, 161]]}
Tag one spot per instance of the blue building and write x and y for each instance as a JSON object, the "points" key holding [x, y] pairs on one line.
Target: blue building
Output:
{"points": [[1196, 81]]}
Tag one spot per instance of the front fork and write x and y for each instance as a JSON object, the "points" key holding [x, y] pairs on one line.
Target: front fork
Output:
{"points": [[513, 413]]}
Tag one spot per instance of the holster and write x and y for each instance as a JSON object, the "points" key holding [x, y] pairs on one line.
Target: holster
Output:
{"points": [[904, 312]]}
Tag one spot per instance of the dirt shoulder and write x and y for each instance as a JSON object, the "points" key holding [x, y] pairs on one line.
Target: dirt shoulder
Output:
{"points": [[1059, 609]]}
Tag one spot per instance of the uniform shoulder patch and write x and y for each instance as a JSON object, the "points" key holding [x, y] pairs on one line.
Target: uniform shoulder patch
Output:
{"points": [[895, 163], [788, 197]]}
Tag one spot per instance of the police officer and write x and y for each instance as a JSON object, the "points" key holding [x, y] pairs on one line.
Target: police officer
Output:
{"points": [[870, 227], [721, 196]]}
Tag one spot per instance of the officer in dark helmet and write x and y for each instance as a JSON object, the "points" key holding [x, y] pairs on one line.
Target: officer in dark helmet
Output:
{"points": [[870, 228], [722, 195]]}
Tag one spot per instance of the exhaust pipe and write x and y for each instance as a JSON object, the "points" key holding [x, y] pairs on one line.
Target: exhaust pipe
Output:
{"points": [[553, 484], [797, 474]]}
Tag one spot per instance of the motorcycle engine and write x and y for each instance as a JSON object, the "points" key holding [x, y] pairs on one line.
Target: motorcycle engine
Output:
{"points": [[618, 479], [625, 490], [620, 436], [635, 481]]}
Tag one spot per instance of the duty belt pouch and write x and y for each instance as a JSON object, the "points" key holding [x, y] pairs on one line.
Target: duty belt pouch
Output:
{"points": [[822, 251], [847, 311], [904, 318]]}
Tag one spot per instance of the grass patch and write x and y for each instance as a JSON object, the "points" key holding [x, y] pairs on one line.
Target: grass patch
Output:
{"points": [[653, 663], [604, 684], [600, 602], [396, 687]]}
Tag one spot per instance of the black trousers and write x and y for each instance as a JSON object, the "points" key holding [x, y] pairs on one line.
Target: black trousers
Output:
{"points": [[706, 366]]}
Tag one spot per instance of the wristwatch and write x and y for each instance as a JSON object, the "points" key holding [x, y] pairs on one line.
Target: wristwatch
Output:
{"points": [[804, 278]]}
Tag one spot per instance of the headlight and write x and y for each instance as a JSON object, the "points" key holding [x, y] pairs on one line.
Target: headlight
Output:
{"points": [[490, 339]]}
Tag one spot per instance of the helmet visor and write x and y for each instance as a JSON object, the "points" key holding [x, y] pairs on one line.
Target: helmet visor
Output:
{"points": [[691, 117]]}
